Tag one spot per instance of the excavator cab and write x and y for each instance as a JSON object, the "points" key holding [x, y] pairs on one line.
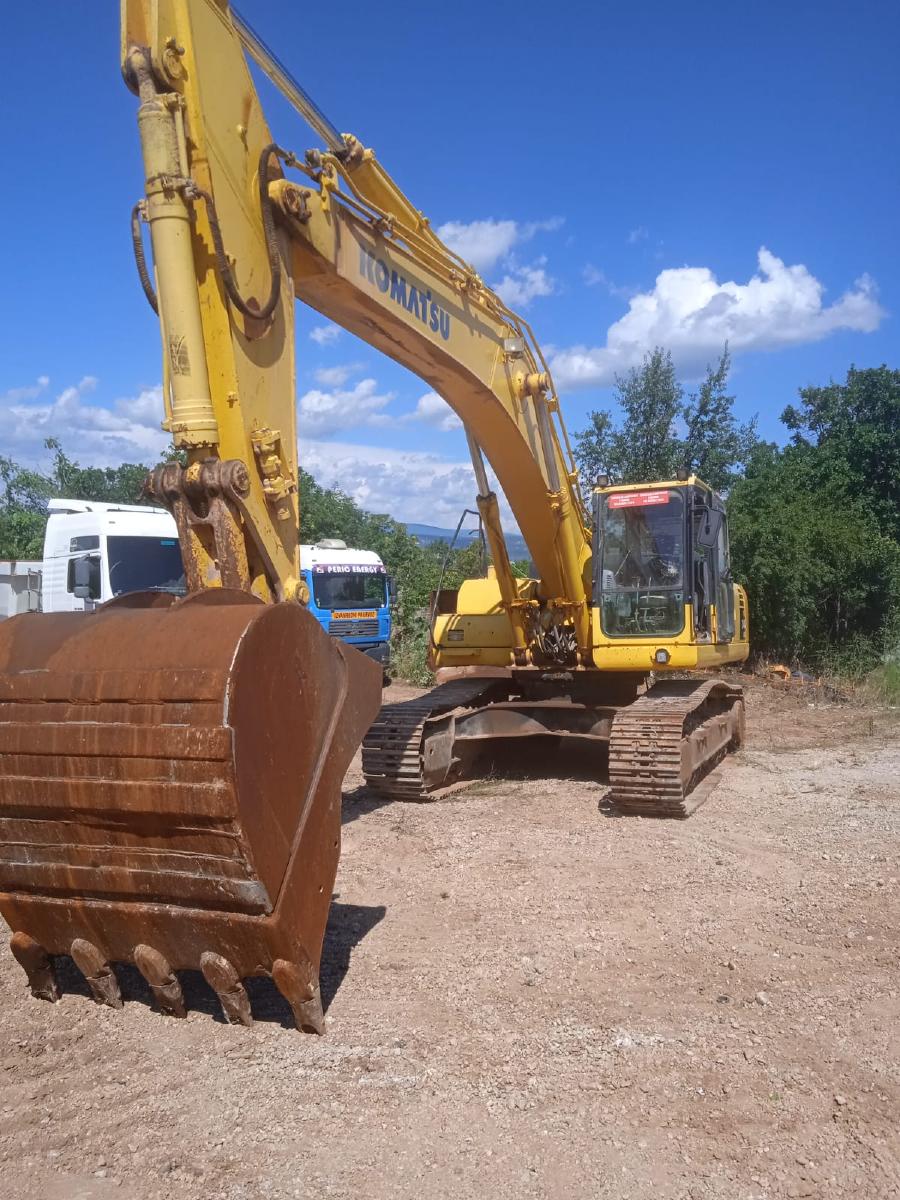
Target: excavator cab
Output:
{"points": [[641, 563], [663, 594]]}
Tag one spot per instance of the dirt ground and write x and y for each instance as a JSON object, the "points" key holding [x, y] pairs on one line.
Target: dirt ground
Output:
{"points": [[527, 997]]}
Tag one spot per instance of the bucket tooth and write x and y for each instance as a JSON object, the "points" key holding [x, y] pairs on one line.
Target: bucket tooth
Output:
{"points": [[222, 977], [37, 965], [163, 984], [92, 963], [298, 982]]}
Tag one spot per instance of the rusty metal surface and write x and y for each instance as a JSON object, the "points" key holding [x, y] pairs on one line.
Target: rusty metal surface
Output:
{"points": [[666, 745], [411, 752], [533, 718], [204, 499], [170, 782], [393, 756]]}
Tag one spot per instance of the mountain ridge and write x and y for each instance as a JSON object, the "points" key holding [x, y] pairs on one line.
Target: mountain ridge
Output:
{"points": [[426, 534]]}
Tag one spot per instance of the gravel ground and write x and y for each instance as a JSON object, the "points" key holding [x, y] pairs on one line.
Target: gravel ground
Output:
{"points": [[528, 998]]}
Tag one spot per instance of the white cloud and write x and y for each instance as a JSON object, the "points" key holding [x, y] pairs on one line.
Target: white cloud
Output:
{"points": [[30, 392], [146, 407], [324, 335], [522, 284], [93, 433], [414, 486], [550, 225], [480, 243], [321, 413], [410, 485], [335, 376], [637, 235], [484, 243], [690, 313], [434, 410]]}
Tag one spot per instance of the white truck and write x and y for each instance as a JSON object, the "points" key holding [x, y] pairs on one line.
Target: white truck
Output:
{"points": [[93, 552]]}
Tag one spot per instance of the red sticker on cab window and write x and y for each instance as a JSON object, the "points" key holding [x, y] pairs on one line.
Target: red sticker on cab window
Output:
{"points": [[637, 499]]}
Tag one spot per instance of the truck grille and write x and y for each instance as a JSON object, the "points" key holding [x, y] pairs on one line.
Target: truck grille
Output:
{"points": [[354, 628]]}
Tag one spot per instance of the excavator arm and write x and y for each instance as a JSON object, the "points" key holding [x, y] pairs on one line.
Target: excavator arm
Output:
{"points": [[233, 238], [404, 294]]}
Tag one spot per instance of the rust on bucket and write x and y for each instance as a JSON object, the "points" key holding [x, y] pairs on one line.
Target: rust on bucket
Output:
{"points": [[170, 788]]}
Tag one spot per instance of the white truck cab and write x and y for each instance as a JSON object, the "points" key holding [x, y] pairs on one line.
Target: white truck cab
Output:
{"points": [[95, 551]]}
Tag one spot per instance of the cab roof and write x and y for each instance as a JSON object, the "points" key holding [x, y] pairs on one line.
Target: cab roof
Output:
{"points": [[313, 556], [691, 481], [59, 505]]}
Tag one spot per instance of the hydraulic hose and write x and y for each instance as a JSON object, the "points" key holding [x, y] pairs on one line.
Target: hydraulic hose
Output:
{"points": [[191, 190], [137, 241]]}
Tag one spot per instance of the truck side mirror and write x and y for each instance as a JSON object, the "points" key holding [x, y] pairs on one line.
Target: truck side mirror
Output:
{"points": [[392, 590], [85, 572]]}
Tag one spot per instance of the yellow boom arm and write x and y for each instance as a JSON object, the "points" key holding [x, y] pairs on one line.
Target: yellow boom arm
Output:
{"points": [[356, 250]]}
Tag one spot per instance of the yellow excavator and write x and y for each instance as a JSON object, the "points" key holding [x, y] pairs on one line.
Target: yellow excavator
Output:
{"points": [[170, 770]]}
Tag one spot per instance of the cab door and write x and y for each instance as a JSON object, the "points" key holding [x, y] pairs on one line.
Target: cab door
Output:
{"points": [[713, 584], [724, 584]]}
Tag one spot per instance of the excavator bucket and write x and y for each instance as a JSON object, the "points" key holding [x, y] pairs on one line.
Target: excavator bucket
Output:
{"points": [[170, 793]]}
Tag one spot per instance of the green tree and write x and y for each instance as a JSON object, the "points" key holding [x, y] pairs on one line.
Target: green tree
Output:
{"points": [[22, 510], [596, 449], [820, 572], [854, 428], [21, 533], [645, 445], [24, 493], [715, 446], [109, 485]]}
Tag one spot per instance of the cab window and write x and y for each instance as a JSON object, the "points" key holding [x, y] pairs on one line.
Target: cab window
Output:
{"points": [[642, 563]]}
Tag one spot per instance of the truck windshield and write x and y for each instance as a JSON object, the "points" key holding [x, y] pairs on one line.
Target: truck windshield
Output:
{"points": [[139, 564], [348, 589], [642, 563]]}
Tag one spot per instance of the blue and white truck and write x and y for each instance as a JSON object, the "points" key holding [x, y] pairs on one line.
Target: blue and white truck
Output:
{"points": [[350, 594]]}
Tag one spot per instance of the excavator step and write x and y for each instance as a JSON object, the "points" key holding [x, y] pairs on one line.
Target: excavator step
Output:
{"points": [[170, 792]]}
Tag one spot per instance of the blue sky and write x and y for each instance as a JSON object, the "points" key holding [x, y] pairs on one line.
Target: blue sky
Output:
{"points": [[630, 174]]}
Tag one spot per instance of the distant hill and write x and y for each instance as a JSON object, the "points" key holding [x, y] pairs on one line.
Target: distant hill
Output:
{"points": [[426, 534]]}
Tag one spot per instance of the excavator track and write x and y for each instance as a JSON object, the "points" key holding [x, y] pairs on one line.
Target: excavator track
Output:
{"points": [[392, 756], [665, 746]]}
